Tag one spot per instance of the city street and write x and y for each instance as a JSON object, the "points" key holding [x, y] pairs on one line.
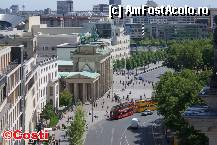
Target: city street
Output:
{"points": [[117, 132], [101, 131], [105, 132]]}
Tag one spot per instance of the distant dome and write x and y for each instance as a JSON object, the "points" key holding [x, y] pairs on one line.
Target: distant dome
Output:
{"points": [[151, 3]]}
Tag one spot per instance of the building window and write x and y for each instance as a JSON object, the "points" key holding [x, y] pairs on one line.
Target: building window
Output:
{"points": [[53, 48], [34, 103], [51, 91], [57, 89], [1, 125]]}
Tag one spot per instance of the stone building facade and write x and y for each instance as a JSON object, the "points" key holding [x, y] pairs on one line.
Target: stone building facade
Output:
{"points": [[92, 76]]}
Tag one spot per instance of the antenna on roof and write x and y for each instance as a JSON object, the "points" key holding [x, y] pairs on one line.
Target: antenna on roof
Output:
{"points": [[23, 6]]}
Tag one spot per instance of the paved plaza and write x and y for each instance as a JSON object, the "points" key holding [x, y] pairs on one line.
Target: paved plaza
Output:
{"points": [[135, 90]]}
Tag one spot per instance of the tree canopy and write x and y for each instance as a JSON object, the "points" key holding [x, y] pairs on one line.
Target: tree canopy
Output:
{"points": [[175, 92], [48, 113], [189, 54], [77, 128], [65, 98], [139, 59]]}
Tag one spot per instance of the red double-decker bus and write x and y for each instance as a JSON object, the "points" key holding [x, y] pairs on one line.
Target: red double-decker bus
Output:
{"points": [[122, 110]]}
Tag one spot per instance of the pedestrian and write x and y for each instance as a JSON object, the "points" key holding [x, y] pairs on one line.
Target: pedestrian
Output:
{"points": [[107, 107], [55, 142]]}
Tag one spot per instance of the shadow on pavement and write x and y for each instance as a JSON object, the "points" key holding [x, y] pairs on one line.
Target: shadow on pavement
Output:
{"points": [[144, 135], [150, 134]]}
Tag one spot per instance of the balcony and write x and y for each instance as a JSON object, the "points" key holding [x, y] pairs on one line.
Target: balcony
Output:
{"points": [[33, 70], [9, 68]]}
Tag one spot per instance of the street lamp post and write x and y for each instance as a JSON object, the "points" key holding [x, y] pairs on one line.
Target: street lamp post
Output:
{"points": [[125, 67], [23, 79], [92, 109]]}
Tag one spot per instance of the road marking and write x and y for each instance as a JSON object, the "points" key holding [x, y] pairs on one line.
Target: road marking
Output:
{"points": [[123, 135], [148, 121], [112, 135], [126, 139], [101, 128]]}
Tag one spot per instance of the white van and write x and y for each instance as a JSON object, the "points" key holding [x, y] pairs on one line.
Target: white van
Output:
{"points": [[134, 123]]}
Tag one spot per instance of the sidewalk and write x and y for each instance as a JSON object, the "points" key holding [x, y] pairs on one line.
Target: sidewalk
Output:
{"points": [[60, 134], [100, 110]]}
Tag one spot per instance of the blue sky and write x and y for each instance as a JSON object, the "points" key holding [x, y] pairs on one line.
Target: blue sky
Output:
{"points": [[84, 5]]}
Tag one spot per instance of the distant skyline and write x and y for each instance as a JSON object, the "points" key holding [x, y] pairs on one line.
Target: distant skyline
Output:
{"points": [[84, 5]]}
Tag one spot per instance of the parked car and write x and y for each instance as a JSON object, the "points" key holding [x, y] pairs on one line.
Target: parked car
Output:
{"points": [[147, 112], [144, 113]]}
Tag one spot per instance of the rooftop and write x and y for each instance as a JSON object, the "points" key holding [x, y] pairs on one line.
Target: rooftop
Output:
{"points": [[58, 35], [67, 45], [45, 60], [100, 49], [103, 51], [64, 62], [84, 73], [199, 112], [3, 46]]}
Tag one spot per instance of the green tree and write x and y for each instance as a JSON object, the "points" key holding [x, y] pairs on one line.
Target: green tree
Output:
{"points": [[118, 64], [122, 63], [129, 65], [208, 57], [175, 92], [138, 60], [77, 128], [48, 113], [65, 98], [189, 54]]}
